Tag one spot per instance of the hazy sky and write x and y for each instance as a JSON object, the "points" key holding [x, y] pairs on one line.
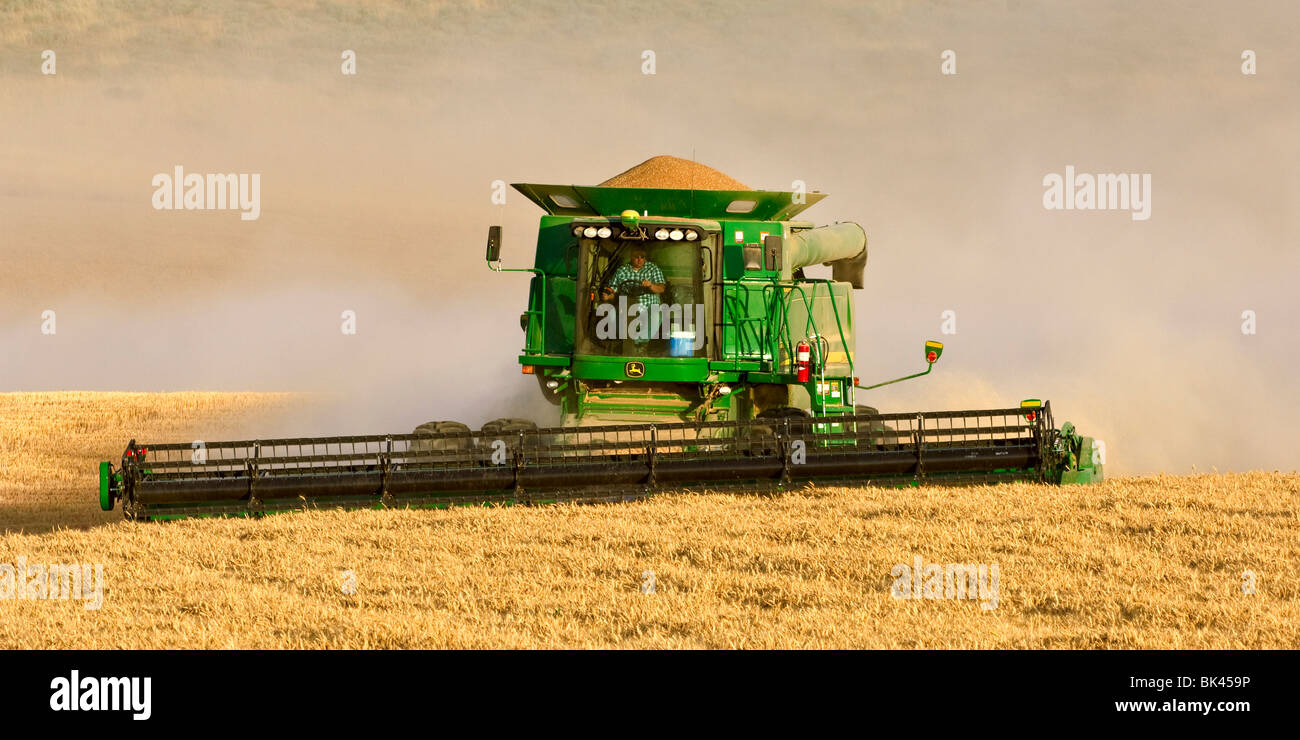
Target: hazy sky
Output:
{"points": [[375, 195]]}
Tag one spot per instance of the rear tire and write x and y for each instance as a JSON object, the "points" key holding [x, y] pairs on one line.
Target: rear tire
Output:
{"points": [[798, 423], [756, 441], [881, 434], [784, 412], [428, 441], [505, 426]]}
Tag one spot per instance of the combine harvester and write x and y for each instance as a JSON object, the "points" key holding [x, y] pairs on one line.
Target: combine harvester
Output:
{"points": [[677, 334]]}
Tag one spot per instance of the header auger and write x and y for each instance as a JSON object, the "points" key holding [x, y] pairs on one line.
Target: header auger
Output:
{"points": [[683, 345]]}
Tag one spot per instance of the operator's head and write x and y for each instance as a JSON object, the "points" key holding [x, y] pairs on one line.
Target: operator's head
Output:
{"points": [[638, 258]]}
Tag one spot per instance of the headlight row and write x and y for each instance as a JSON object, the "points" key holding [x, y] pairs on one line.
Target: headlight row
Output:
{"points": [[662, 234]]}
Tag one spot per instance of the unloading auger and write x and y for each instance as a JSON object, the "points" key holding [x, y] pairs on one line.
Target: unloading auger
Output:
{"points": [[684, 346]]}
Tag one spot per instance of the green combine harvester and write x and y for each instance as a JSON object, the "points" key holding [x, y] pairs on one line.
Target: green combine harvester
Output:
{"points": [[683, 345]]}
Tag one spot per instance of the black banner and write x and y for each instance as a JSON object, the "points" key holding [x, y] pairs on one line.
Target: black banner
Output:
{"points": [[933, 690]]}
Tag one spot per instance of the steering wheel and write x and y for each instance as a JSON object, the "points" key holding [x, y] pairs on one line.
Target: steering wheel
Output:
{"points": [[631, 289]]}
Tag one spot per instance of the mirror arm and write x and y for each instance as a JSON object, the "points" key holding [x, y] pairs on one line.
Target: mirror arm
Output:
{"points": [[896, 380], [933, 350]]}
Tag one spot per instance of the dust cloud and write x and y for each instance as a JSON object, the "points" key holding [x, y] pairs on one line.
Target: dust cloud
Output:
{"points": [[375, 196]]}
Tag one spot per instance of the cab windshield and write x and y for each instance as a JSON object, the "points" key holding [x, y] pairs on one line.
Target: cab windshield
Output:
{"points": [[640, 298]]}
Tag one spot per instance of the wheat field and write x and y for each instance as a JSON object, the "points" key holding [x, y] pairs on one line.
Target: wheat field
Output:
{"points": [[1150, 562]]}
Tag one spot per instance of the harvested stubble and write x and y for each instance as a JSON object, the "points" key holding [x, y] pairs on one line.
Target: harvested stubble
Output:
{"points": [[672, 173], [1154, 562]]}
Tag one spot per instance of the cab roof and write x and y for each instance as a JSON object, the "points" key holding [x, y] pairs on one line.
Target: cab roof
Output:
{"points": [[729, 205]]}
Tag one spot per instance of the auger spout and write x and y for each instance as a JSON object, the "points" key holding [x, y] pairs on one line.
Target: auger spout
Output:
{"points": [[842, 246]]}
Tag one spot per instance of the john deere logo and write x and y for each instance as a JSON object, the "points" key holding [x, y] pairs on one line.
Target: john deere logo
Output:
{"points": [[634, 369]]}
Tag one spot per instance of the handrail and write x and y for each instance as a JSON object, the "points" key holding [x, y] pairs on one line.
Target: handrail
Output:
{"points": [[529, 348], [776, 329]]}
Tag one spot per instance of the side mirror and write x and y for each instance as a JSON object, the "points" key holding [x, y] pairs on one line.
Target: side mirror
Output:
{"points": [[932, 351], [494, 244], [772, 245], [1030, 408]]}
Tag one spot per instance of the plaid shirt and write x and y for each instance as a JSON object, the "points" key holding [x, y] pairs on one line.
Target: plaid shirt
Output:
{"points": [[649, 271]]}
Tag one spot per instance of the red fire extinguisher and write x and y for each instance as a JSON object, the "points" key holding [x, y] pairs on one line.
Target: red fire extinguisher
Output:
{"points": [[802, 355]]}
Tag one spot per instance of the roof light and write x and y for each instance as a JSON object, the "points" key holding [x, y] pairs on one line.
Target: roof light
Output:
{"points": [[691, 235], [577, 231], [661, 234], [589, 232], [604, 232], [676, 235]]}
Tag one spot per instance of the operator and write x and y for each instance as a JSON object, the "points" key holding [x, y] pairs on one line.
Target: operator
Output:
{"points": [[643, 279]]}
